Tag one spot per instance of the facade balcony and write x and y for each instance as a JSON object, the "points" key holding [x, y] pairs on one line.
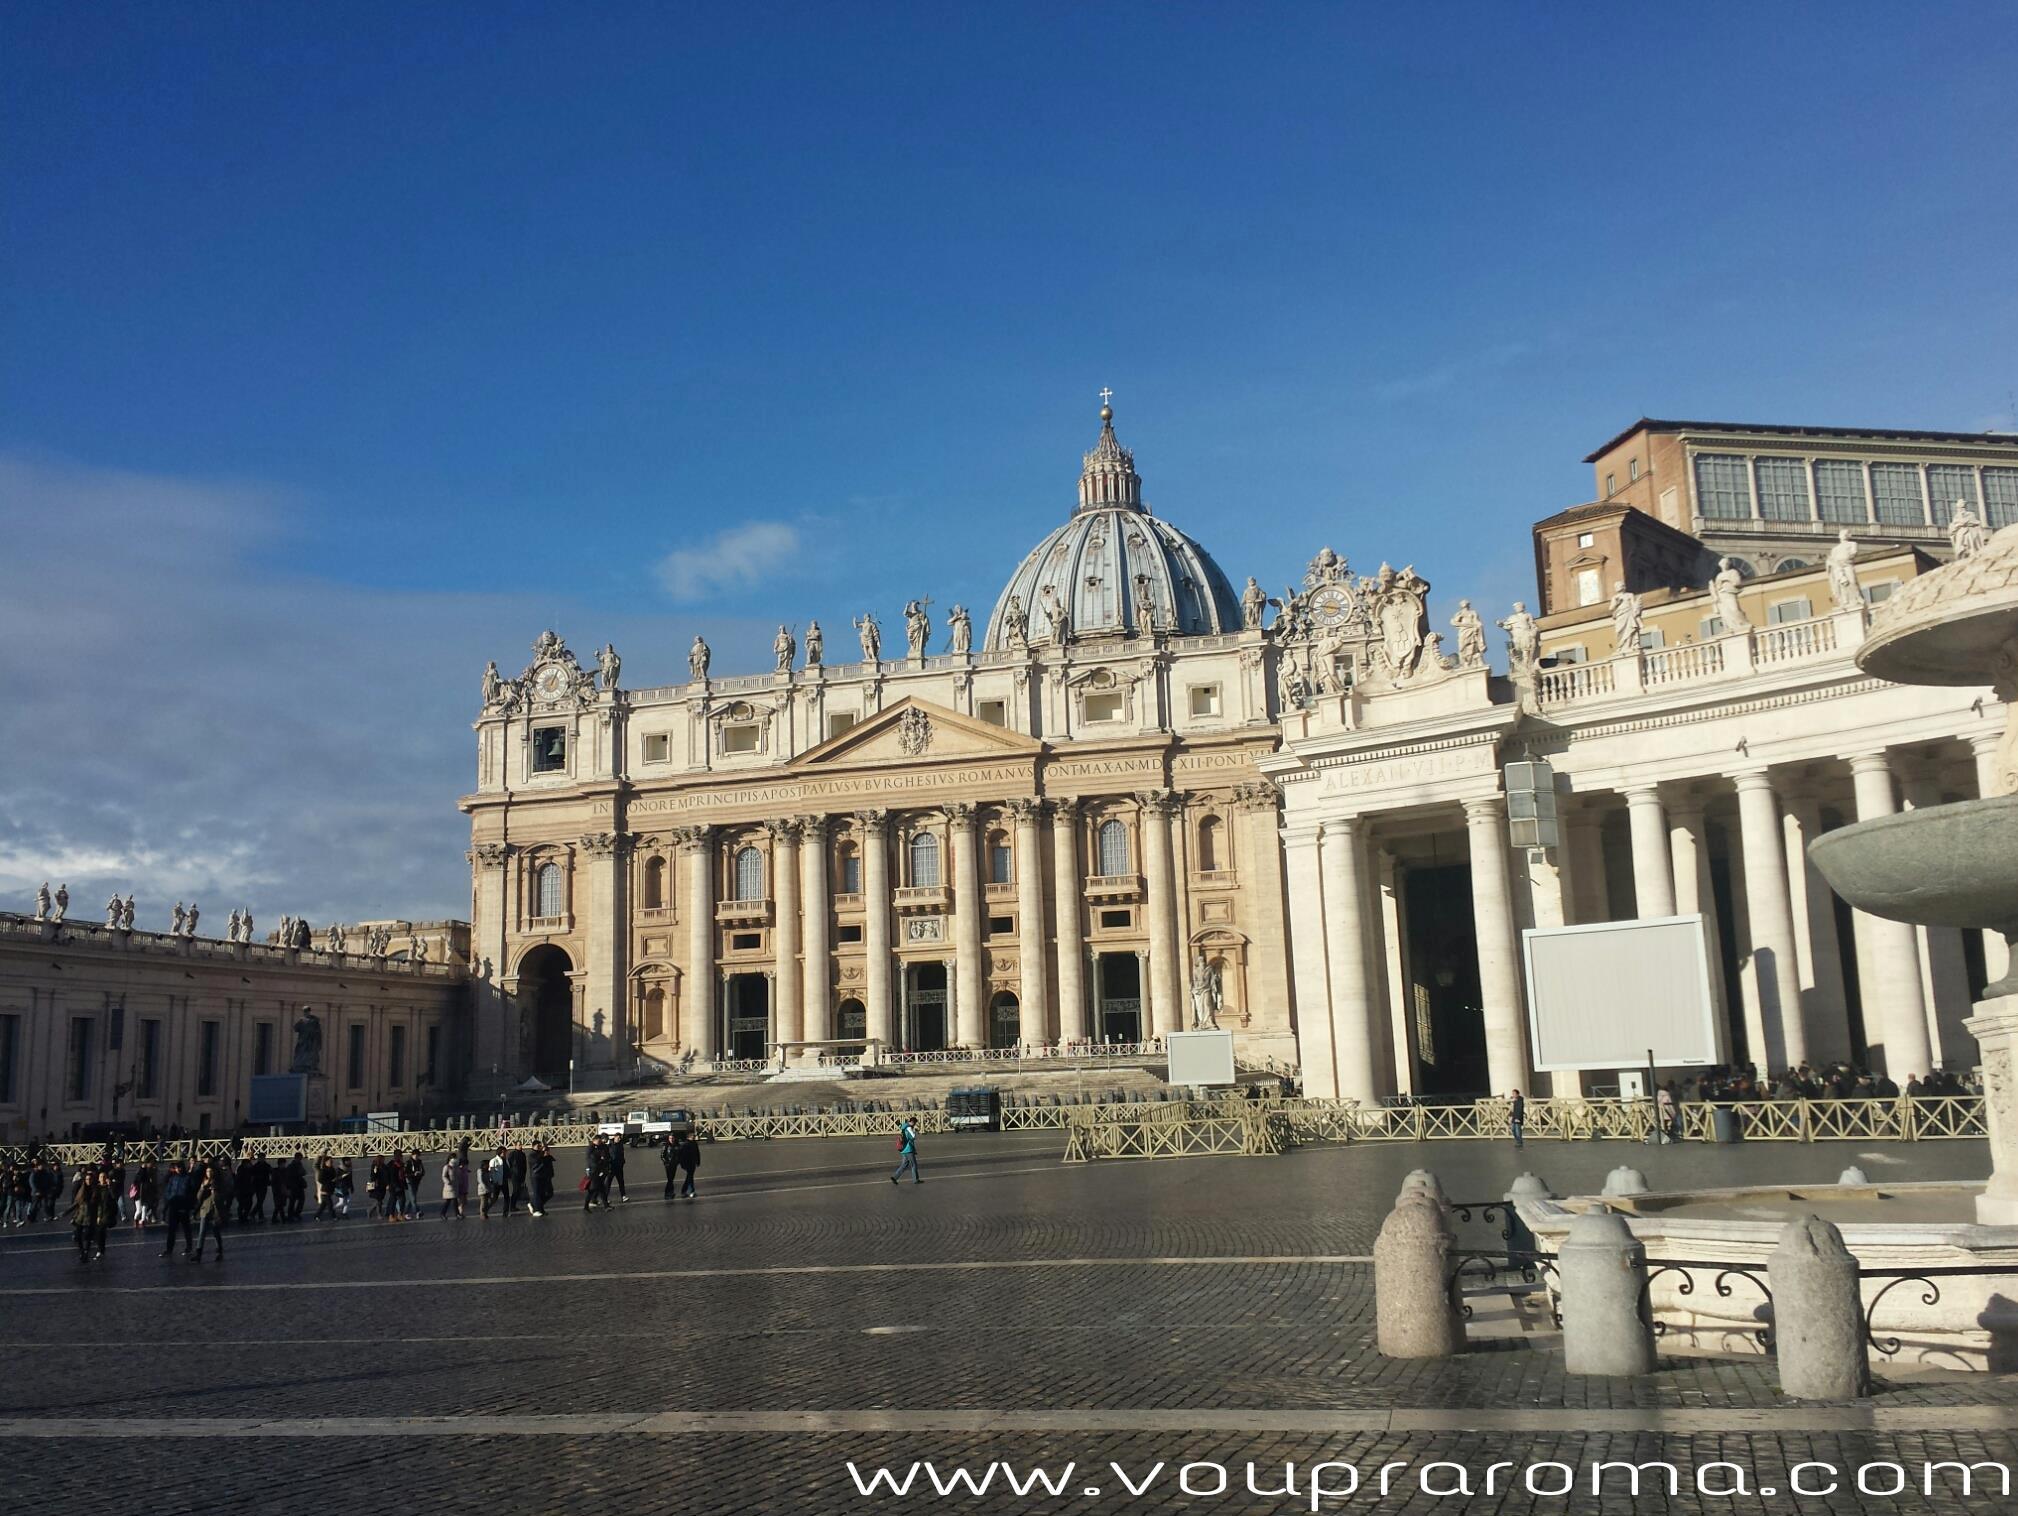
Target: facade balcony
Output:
{"points": [[923, 897], [743, 913], [1112, 888]]}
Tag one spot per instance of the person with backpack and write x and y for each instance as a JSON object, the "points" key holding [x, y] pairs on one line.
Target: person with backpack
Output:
{"points": [[907, 1153]]}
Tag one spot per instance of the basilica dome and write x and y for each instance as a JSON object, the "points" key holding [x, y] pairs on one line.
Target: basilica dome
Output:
{"points": [[1113, 566]]}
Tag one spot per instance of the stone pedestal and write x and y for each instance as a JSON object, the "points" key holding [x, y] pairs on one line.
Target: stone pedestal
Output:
{"points": [[1995, 1028], [1601, 1272], [1818, 1315]]}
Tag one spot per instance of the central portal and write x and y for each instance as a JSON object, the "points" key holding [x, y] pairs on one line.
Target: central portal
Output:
{"points": [[749, 1016], [925, 1007], [1120, 982]]}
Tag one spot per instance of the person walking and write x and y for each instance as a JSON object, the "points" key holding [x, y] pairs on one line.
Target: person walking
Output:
{"points": [[325, 1189], [178, 1200], [210, 1203], [1667, 1114], [596, 1174], [1517, 1119], [616, 1172], [907, 1153], [669, 1160], [493, 1184], [454, 1185], [518, 1169], [146, 1195], [542, 1177], [690, 1163], [90, 1208]]}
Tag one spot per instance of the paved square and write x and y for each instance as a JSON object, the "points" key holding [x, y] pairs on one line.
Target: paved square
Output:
{"points": [[738, 1353]]}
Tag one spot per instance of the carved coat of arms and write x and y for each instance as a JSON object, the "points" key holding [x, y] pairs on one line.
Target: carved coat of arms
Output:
{"points": [[914, 732]]}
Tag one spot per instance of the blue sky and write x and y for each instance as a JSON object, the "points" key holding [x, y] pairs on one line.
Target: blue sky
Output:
{"points": [[346, 347]]}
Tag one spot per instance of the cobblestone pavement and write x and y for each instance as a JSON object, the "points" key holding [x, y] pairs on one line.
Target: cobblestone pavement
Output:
{"points": [[738, 1353]]}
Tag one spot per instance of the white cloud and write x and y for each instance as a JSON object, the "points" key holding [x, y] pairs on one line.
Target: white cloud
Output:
{"points": [[730, 560]]}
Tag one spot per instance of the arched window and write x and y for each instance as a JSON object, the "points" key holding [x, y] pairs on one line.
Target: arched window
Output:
{"points": [[749, 874], [847, 870], [1113, 851], [924, 859], [999, 865], [655, 884], [549, 891], [1211, 847], [655, 1014]]}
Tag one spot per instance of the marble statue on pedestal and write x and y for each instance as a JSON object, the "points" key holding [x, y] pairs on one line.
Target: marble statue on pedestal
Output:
{"points": [[112, 913], [175, 926], [1470, 629], [816, 644], [783, 649], [1253, 604], [960, 630], [1724, 596], [42, 902], [609, 664], [1627, 616], [126, 915], [307, 1057], [871, 636], [1524, 639], [1842, 562], [697, 660], [62, 903], [1966, 532]]}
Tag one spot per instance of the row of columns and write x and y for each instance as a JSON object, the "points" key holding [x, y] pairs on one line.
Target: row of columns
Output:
{"points": [[1796, 1006], [803, 1006]]}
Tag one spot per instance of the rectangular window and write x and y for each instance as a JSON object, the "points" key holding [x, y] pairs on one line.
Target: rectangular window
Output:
{"points": [[848, 934], [2000, 497], [1633, 470], [550, 749], [77, 1073], [1587, 539], [395, 1062], [1723, 487], [851, 874], [1205, 700], [746, 942], [1103, 707], [1781, 611], [1652, 641], [433, 1074], [1709, 627], [839, 722], [1896, 487], [1574, 653], [208, 1034], [994, 712], [999, 863], [1882, 590], [1783, 489], [1840, 486], [10, 1056], [262, 1047], [1001, 926], [1122, 919], [354, 1059], [1611, 485], [1590, 587], [1946, 483], [658, 747], [147, 1078], [739, 739]]}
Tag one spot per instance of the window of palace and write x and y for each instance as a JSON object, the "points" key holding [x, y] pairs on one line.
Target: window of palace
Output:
{"points": [[1709, 627], [1117, 920], [746, 942], [550, 896], [1946, 484], [354, 1059], [749, 874], [1001, 926], [550, 749], [1896, 487], [1781, 611], [209, 1035], [994, 712], [2000, 497], [1611, 485], [1105, 706], [998, 859], [1587, 539], [1723, 486], [1882, 590], [658, 747], [395, 1059], [848, 870], [924, 852], [77, 1073], [1573, 653], [1839, 491], [740, 739], [1783, 489], [839, 722], [850, 933], [1211, 846], [655, 884], [1633, 469], [1204, 699], [1652, 640], [1112, 849]]}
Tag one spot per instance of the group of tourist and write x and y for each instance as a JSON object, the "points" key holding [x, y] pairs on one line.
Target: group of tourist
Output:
{"points": [[1836, 1081]]}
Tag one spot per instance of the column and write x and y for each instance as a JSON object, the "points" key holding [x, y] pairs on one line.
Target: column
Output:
{"points": [[1825, 1007], [1033, 976], [1895, 1011], [882, 1010], [495, 1026], [1393, 946], [1066, 906], [605, 933], [971, 1014], [1944, 971], [1583, 841], [788, 1009], [1696, 891], [1308, 962], [1498, 962], [1544, 885], [1996, 952], [1653, 874], [816, 1018], [1352, 1002], [1164, 993], [1770, 914], [697, 1000]]}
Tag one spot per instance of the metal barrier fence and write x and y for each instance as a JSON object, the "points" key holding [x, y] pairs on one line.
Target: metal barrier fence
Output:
{"points": [[1294, 1122], [1190, 1131]]}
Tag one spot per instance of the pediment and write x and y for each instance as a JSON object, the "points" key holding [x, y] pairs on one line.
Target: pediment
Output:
{"points": [[917, 731]]}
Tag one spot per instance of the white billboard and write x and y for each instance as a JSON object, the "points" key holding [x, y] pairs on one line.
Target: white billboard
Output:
{"points": [[1603, 996], [1200, 1057]]}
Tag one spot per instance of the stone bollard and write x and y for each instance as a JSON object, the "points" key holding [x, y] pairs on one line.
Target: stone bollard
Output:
{"points": [[1625, 1181], [1424, 1180], [1852, 1175], [1601, 1277], [1818, 1314], [1527, 1187], [1413, 1316]]}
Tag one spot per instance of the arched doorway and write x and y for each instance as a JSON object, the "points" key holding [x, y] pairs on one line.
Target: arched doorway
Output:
{"points": [[1004, 1021], [925, 1007], [851, 1020], [546, 1013]]}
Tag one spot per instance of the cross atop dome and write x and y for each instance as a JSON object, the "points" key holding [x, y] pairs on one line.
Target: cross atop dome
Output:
{"points": [[1108, 480]]}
